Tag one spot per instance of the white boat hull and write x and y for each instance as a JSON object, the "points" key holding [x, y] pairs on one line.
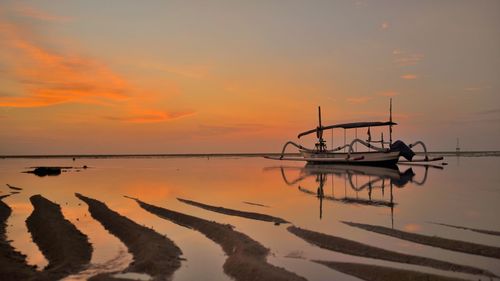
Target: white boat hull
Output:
{"points": [[362, 158]]}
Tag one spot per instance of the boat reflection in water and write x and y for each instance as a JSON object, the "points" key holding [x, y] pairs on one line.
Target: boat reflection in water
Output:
{"points": [[360, 179]]}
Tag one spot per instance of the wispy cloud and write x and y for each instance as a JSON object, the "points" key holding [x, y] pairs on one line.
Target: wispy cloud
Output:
{"points": [[385, 25], [217, 130], [406, 58], [195, 71], [52, 76], [489, 111], [358, 100], [476, 88], [49, 77], [151, 116], [34, 13], [408, 76], [388, 94]]}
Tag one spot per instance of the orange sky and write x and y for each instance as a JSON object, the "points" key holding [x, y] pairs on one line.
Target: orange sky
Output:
{"points": [[201, 76]]}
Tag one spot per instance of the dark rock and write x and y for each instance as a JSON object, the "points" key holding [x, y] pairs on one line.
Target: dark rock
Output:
{"points": [[46, 171]]}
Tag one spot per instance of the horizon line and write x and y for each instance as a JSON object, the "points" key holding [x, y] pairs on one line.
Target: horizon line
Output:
{"points": [[247, 154]]}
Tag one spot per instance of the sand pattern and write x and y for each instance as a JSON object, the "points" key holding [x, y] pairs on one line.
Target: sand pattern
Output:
{"points": [[246, 257], [370, 272], [154, 254], [13, 264], [65, 247], [354, 248], [483, 231], [434, 241], [231, 212]]}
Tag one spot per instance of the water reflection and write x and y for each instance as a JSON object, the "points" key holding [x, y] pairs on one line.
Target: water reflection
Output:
{"points": [[359, 179]]}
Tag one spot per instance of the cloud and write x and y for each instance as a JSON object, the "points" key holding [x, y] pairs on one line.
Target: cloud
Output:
{"points": [[385, 25], [31, 12], [360, 3], [388, 94], [151, 116], [476, 88], [490, 111], [193, 71], [217, 130], [358, 100], [48, 77], [408, 76], [406, 58]]}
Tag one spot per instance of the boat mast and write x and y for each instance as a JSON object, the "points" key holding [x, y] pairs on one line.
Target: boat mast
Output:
{"points": [[320, 145], [390, 120]]}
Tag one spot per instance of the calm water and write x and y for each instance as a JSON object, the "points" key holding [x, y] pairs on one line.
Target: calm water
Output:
{"points": [[465, 192]]}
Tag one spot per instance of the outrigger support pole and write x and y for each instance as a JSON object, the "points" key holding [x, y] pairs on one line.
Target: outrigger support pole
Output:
{"points": [[292, 143], [423, 145], [367, 144]]}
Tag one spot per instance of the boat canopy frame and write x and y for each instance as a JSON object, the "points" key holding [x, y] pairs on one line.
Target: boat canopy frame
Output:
{"points": [[354, 125]]}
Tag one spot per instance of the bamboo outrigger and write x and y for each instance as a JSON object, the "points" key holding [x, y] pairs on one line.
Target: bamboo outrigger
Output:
{"points": [[376, 155]]}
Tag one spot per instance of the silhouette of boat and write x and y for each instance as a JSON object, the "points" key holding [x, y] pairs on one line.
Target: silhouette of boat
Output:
{"points": [[388, 153]]}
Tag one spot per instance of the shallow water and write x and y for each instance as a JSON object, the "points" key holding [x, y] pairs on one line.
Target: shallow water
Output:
{"points": [[465, 192]]}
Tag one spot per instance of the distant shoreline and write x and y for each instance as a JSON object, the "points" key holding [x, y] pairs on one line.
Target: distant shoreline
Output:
{"points": [[224, 155]]}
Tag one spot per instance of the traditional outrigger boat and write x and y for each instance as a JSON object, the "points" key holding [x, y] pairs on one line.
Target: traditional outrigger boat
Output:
{"points": [[383, 155]]}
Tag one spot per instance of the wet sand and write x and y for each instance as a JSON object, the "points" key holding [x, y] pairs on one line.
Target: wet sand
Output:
{"points": [[434, 241], [483, 231], [237, 213], [13, 264], [382, 273], [354, 248], [65, 247], [246, 257], [154, 254]]}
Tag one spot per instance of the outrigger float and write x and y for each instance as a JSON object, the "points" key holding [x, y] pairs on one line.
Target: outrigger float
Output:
{"points": [[388, 153]]}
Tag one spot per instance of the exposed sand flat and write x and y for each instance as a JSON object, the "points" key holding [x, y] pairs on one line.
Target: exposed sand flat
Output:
{"points": [[434, 241], [237, 213], [484, 231], [382, 273], [354, 248], [65, 247], [246, 257], [12, 263], [154, 254]]}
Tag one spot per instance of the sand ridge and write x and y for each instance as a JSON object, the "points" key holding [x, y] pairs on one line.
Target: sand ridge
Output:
{"points": [[434, 241], [354, 248], [65, 247], [246, 257], [13, 264], [232, 212], [383, 273], [154, 254]]}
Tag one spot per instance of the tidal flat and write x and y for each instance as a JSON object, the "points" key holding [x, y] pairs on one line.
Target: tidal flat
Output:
{"points": [[248, 218]]}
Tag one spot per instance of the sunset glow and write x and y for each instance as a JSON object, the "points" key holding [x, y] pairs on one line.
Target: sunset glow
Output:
{"points": [[213, 77]]}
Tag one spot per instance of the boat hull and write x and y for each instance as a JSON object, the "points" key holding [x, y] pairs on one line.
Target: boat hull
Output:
{"points": [[361, 158]]}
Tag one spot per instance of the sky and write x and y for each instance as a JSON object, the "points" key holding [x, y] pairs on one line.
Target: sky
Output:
{"points": [[93, 77]]}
